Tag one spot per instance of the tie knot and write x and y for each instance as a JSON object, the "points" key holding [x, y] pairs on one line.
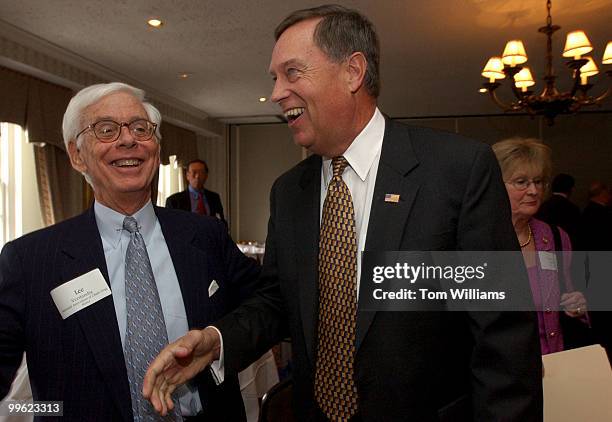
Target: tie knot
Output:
{"points": [[130, 224], [338, 165]]}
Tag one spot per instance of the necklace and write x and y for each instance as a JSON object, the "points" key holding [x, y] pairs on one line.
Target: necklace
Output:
{"points": [[522, 245]]}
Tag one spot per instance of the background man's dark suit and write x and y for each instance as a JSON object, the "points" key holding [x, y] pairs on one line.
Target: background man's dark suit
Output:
{"points": [[596, 227], [596, 235], [562, 212], [80, 360], [409, 366], [181, 201]]}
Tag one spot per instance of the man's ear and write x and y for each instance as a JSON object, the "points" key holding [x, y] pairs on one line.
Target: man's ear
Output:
{"points": [[357, 67], [158, 155], [75, 157]]}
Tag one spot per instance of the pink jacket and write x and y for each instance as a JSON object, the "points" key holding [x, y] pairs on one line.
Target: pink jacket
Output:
{"points": [[545, 286]]}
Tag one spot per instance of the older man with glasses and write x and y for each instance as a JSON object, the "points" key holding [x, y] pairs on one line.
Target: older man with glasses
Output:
{"points": [[93, 299]]}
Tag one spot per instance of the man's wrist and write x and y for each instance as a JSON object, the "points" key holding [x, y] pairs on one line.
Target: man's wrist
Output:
{"points": [[217, 364], [213, 337]]}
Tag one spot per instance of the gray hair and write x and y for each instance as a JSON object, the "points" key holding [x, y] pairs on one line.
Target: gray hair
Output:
{"points": [[73, 123], [339, 34]]}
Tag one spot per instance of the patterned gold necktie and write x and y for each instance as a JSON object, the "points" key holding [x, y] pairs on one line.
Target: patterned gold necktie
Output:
{"points": [[335, 389]]}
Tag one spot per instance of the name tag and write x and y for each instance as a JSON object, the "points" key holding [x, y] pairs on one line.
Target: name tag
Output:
{"points": [[80, 292], [548, 260]]}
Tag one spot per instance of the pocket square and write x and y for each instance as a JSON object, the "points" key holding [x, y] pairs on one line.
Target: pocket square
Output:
{"points": [[212, 289]]}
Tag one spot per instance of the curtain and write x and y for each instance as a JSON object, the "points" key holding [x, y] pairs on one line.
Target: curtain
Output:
{"points": [[63, 192], [35, 105], [179, 142]]}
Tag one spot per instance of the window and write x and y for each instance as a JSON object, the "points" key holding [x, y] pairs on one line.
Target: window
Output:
{"points": [[170, 181], [19, 203]]}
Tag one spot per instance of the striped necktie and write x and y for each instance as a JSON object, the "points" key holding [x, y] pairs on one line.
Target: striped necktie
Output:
{"points": [[335, 389], [146, 329]]}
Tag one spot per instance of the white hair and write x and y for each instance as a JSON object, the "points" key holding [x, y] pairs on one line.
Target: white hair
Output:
{"points": [[73, 117]]}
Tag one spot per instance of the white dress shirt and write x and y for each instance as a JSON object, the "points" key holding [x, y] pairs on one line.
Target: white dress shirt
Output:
{"points": [[363, 156]]}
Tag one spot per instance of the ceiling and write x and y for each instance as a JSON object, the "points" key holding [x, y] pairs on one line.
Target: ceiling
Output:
{"points": [[431, 58]]}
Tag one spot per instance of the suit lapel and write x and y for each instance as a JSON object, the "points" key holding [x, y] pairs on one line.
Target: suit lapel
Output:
{"points": [[83, 252], [189, 265], [388, 219], [307, 246], [186, 200], [385, 228]]}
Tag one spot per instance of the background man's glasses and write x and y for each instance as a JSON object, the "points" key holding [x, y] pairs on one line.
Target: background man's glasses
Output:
{"points": [[523, 184], [109, 130]]}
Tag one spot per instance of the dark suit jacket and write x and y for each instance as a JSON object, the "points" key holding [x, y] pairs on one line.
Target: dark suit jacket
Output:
{"points": [[562, 212], [596, 227], [181, 201], [79, 360], [412, 366], [596, 235]]}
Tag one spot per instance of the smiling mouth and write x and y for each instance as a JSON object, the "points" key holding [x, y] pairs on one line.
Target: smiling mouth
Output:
{"points": [[129, 162], [294, 113]]}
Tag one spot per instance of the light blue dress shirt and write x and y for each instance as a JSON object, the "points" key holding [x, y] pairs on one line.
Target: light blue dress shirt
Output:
{"points": [[115, 241]]}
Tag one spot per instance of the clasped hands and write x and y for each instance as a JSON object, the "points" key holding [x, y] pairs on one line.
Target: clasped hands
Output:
{"points": [[574, 304], [177, 363]]}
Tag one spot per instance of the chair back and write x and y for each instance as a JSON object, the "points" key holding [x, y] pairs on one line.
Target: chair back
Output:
{"points": [[276, 403]]}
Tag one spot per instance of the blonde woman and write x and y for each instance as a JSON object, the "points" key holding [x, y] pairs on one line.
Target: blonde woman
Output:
{"points": [[526, 168]]}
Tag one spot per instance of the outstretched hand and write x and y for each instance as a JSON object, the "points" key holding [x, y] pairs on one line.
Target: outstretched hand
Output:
{"points": [[177, 363]]}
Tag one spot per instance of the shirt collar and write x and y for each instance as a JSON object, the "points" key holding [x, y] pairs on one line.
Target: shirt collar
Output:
{"points": [[364, 148], [110, 223], [195, 191]]}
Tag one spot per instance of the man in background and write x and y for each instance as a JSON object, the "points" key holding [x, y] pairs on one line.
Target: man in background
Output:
{"points": [[596, 237], [559, 209], [596, 224], [168, 272], [196, 198], [371, 184]]}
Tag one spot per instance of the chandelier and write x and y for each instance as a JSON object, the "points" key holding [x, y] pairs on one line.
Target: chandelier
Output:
{"points": [[550, 102]]}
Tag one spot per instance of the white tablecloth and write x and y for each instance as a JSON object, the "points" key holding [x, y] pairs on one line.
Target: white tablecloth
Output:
{"points": [[252, 249], [255, 381], [20, 390]]}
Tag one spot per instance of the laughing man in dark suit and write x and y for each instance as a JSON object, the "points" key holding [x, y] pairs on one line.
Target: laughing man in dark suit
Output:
{"points": [[94, 359], [409, 189]]}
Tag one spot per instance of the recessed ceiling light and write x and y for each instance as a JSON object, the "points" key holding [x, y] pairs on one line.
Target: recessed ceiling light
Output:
{"points": [[184, 75], [155, 23], [482, 90], [262, 99]]}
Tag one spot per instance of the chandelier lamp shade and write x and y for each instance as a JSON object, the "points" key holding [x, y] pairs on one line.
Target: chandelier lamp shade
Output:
{"points": [[550, 102]]}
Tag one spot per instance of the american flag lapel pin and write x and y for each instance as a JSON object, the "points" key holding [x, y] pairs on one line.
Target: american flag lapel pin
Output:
{"points": [[392, 197]]}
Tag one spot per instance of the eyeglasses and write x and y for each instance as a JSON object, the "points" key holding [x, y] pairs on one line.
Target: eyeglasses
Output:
{"points": [[109, 131], [523, 183]]}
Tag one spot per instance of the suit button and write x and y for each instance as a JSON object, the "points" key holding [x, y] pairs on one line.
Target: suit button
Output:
{"points": [[552, 334]]}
